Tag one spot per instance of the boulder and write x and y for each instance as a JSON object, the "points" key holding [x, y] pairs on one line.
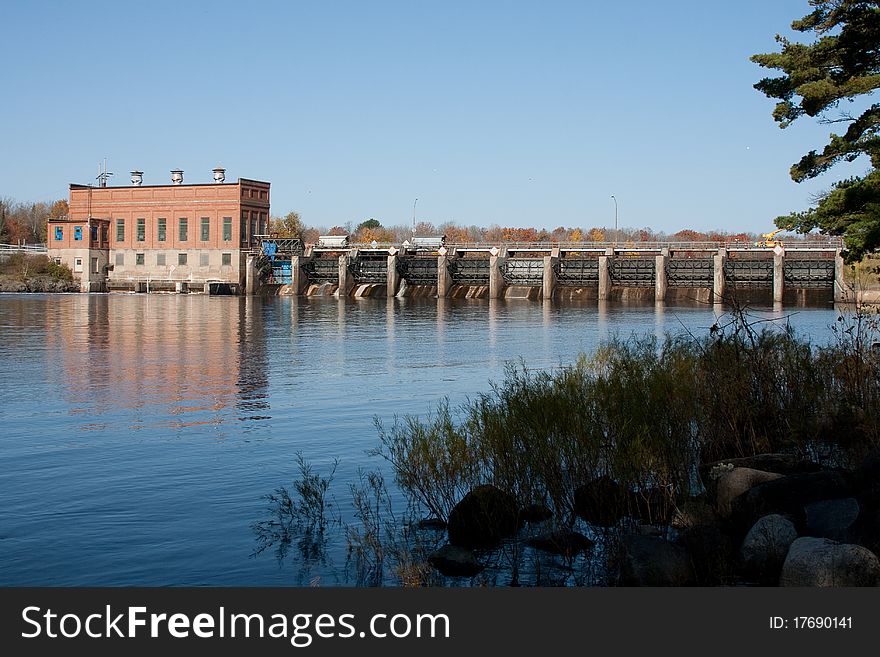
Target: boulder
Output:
{"points": [[693, 512], [869, 476], [483, 517], [866, 529], [434, 524], [563, 541], [784, 464], [601, 502], [823, 562], [832, 519], [765, 547], [536, 513], [454, 561], [787, 496], [653, 561], [735, 482], [711, 553]]}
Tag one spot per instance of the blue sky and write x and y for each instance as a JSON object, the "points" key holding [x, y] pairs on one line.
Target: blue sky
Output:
{"points": [[516, 113]]}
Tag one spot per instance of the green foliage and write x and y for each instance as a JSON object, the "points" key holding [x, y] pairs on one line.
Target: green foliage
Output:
{"points": [[24, 267], [645, 413], [372, 224], [842, 64]]}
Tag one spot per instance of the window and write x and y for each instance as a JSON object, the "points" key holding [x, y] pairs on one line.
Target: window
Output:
{"points": [[243, 227], [141, 230], [183, 229], [94, 265], [203, 259], [254, 230], [263, 194], [206, 228], [160, 259], [181, 259], [59, 233], [120, 230], [264, 224], [139, 259], [77, 264], [78, 233], [226, 259], [120, 258], [94, 233], [160, 231], [227, 229], [104, 231]]}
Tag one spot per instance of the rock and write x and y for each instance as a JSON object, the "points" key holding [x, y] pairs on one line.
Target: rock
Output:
{"points": [[651, 561], [869, 475], [454, 561], [832, 518], [692, 512], [866, 529], [601, 502], [562, 541], [483, 517], [432, 523], [711, 553], [787, 496], [534, 513], [823, 562], [734, 483], [784, 464], [765, 547]]}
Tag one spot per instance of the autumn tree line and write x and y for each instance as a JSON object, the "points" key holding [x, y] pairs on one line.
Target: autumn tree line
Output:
{"points": [[292, 225]]}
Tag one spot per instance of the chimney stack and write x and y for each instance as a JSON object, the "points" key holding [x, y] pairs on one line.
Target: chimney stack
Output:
{"points": [[177, 177], [219, 175], [137, 178]]}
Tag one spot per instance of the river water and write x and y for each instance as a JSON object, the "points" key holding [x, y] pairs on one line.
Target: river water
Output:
{"points": [[140, 434]]}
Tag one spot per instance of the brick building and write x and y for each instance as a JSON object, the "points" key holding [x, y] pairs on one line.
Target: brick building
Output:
{"points": [[161, 237]]}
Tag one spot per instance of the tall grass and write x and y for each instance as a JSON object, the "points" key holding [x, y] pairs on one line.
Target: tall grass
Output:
{"points": [[645, 413]]}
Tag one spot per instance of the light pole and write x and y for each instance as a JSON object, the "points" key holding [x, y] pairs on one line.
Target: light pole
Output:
{"points": [[414, 217], [615, 219]]}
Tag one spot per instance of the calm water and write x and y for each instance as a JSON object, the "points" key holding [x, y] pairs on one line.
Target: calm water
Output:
{"points": [[140, 433]]}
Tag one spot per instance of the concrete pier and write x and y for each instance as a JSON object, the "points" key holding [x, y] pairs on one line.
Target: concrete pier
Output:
{"points": [[660, 276], [841, 289], [392, 280], [718, 275], [778, 277], [250, 273], [549, 281], [299, 281], [346, 280], [604, 277], [444, 278], [496, 281]]}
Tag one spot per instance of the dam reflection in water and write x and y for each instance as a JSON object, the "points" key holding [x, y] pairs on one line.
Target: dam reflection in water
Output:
{"points": [[142, 432]]}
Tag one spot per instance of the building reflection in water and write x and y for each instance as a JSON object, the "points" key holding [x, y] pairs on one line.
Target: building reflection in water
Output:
{"points": [[159, 361]]}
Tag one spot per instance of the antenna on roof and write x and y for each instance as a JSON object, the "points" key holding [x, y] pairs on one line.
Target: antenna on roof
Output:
{"points": [[103, 174]]}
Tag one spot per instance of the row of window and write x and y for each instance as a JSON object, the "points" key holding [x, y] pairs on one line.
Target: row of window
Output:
{"points": [[140, 259], [78, 233], [182, 229]]}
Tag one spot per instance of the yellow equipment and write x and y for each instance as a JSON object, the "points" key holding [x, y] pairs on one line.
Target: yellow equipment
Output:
{"points": [[768, 240]]}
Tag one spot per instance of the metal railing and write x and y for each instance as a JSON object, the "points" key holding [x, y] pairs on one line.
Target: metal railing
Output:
{"points": [[23, 248]]}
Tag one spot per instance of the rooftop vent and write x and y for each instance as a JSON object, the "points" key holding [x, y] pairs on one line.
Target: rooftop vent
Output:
{"points": [[137, 178], [177, 177], [219, 175]]}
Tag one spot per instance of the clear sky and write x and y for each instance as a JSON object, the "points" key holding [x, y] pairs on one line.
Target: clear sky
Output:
{"points": [[516, 113]]}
